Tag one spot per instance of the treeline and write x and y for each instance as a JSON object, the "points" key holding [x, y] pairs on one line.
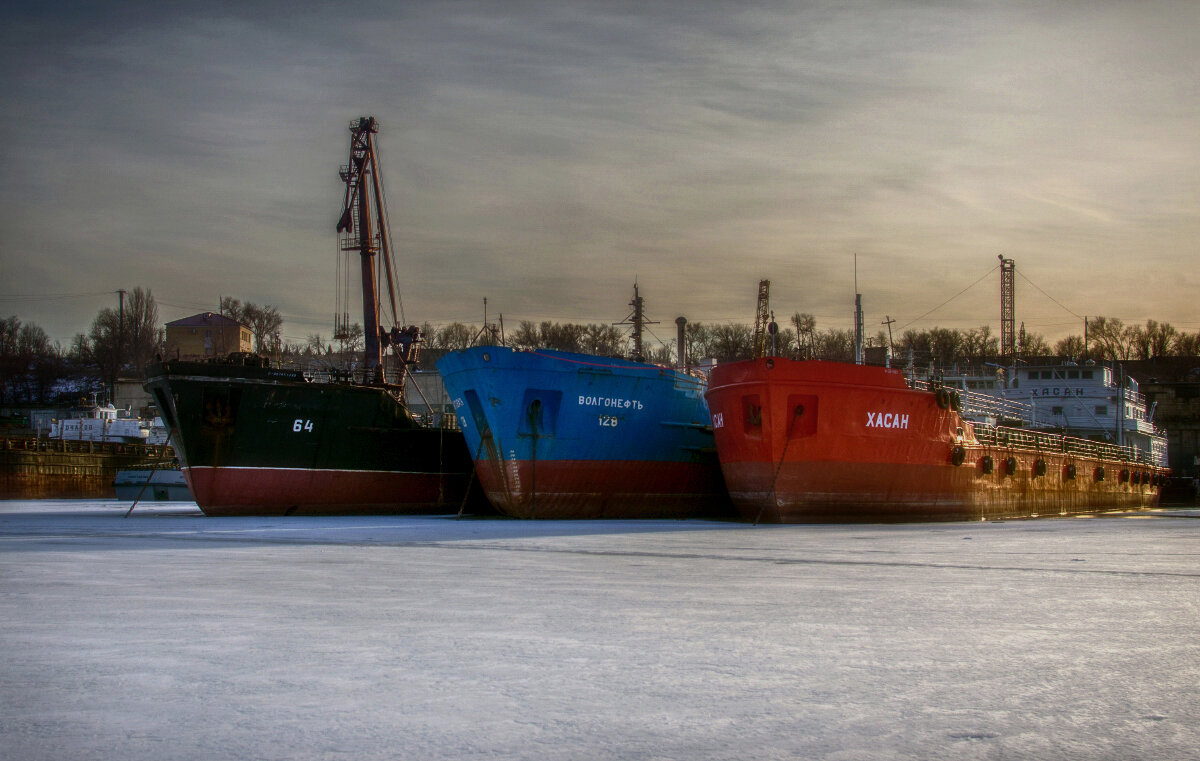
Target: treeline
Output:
{"points": [[35, 370], [799, 337]]}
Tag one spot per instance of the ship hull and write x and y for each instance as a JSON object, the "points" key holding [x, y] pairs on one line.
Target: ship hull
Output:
{"points": [[823, 441], [33, 468], [564, 435], [256, 441]]}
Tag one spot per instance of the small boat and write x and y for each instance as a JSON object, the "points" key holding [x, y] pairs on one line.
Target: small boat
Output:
{"points": [[159, 485]]}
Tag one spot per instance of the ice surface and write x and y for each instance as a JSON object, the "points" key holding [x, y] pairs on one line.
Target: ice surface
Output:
{"points": [[169, 635]]}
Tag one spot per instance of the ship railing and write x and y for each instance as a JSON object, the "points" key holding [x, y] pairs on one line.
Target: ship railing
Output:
{"points": [[1136, 398], [86, 446], [1041, 441], [980, 406]]}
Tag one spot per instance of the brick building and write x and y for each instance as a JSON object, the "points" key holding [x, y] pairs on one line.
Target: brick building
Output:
{"points": [[207, 334]]}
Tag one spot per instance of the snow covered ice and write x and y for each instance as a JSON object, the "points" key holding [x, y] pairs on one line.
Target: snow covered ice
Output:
{"points": [[169, 635]]}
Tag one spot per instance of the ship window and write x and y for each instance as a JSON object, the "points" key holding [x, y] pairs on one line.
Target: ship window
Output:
{"points": [[1033, 375], [1087, 374], [1056, 410], [1072, 373], [1101, 409]]}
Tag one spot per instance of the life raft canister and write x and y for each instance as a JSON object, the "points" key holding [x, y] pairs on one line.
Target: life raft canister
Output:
{"points": [[1098, 474], [958, 455], [956, 401], [987, 464], [1070, 472], [943, 398], [1039, 467], [1010, 466]]}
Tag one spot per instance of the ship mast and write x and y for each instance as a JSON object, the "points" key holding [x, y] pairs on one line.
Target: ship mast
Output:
{"points": [[637, 318], [359, 231]]}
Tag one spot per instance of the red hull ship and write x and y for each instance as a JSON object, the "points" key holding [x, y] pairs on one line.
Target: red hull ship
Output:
{"points": [[805, 441]]}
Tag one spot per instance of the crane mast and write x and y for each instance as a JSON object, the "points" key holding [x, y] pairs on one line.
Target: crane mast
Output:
{"points": [[363, 227]]}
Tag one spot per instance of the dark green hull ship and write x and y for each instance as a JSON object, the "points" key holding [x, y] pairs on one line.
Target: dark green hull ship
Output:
{"points": [[255, 440]]}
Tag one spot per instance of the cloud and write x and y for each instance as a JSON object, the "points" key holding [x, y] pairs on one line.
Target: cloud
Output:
{"points": [[545, 154]]}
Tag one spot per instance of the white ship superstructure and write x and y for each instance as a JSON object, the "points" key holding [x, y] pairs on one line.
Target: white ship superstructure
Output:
{"points": [[1090, 401]]}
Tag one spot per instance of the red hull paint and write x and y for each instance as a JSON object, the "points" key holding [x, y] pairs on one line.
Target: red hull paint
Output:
{"points": [[283, 491], [602, 489], [824, 441]]}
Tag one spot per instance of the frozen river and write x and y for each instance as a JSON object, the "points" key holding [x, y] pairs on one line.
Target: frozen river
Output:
{"points": [[169, 635]]}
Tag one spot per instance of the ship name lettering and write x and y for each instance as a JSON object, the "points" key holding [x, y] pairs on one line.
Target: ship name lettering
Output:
{"points": [[718, 419], [609, 401], [300, 424], [886, 420], [1058, 392]]}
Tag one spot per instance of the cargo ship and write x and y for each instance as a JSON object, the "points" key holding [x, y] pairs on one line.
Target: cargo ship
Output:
{"points": [[813, 441], [253, 439], [257, 440], [557, 434]]}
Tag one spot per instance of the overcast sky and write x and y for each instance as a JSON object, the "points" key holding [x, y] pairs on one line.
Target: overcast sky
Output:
{"points": [[543, 155]]}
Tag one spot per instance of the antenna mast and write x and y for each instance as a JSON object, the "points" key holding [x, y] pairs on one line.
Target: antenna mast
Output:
{"points": [[858, 318], [638, 320], [1008, 333], [762, 318]]}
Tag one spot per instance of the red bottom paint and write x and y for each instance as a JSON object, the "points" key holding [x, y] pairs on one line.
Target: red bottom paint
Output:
{"points": [[856, 491], [285, 491], [603, 489]]}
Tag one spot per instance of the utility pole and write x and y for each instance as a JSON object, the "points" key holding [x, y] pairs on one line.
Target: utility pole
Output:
{"points": [[120, 343], [891, 346]]}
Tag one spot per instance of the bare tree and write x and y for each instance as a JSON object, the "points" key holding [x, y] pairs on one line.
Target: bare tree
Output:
{"points": [[731, 342], [454, 336], [142, 332], [806, 326], [526, 337], [1071, 346], [264, 322]]}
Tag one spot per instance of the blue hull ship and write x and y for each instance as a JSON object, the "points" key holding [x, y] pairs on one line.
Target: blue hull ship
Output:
{"points": [[563, 435]]}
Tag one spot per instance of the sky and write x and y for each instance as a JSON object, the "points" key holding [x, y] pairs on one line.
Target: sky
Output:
{"points": [[545, 155]]}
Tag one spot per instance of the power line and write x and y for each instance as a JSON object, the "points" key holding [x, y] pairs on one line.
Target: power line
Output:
{"points": [[1035, 285], [952, 298], [52, 296]]}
